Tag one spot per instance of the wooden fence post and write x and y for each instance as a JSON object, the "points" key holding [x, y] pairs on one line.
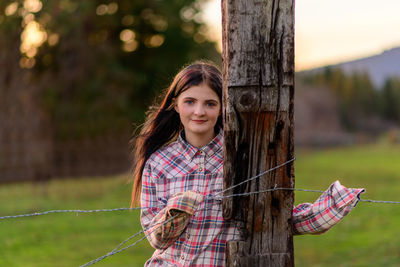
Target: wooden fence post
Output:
{"points": [[258, 70]]}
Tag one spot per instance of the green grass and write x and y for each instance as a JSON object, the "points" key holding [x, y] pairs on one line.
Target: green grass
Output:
{"points": [[69, 239], [369, 236]]}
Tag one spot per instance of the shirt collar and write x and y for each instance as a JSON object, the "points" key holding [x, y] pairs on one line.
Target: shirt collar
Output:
{"points": [[189, 151]]}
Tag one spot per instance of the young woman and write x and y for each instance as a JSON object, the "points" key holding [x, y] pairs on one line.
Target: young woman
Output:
{"points": [[179, 167]]}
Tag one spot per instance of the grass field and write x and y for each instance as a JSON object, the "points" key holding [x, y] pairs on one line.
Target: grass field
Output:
{"points": [[369, 236]]}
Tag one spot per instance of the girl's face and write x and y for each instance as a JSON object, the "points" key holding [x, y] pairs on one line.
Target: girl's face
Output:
{"points": [[198, 108]]}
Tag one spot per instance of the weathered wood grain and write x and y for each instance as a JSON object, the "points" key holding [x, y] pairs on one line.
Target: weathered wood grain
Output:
{"points": [[258, 69]]}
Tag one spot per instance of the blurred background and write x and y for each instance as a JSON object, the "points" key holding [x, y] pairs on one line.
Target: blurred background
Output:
{"points": [[77, 77]]}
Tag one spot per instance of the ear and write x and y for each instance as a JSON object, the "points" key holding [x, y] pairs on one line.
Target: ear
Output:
{"points": [[175, 105]]}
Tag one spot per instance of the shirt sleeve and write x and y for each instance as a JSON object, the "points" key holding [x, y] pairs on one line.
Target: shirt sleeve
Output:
{"points": [[164, 222], [328, 210]]}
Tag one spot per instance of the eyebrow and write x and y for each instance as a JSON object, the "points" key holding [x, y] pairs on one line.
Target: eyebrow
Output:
{"points": [[207, 100]]}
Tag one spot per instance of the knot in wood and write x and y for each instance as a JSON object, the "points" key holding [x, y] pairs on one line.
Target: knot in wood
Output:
{"points": [[248, 100]]}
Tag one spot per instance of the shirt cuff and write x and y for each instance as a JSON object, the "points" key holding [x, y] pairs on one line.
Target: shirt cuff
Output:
{"points": [[185, 201], [328, 210]]}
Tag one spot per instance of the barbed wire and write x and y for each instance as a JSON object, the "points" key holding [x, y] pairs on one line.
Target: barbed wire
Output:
{"points": [[272, 190], [118, 249], [306, 190], [126, 240], [214, 196], [140, 208], [115, 251], [66, 211], [121, 209], [380, 201], [256, 176]]}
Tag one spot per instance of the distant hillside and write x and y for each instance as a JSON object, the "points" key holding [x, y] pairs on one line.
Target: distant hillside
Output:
{"points": [[379, 67]]}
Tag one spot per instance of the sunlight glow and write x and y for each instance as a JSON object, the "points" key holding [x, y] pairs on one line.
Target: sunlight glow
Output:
{"points": [[32, 37], [27, 63], [112, 8], [33, 6], [131, 46], [329, 32], [109, 9], [212, 16], [127, 35], [53, 39], [11, 9], [102, 9], [154, 40], [28, 18], [187, 13]]}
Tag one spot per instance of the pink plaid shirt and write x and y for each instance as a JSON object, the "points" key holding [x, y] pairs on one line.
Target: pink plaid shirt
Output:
{"points": [[178, 182]]}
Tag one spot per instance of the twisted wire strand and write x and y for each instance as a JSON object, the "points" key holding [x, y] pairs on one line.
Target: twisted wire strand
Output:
{"points": [[272, 190], [126, 240], [66, 211], [257, 176], [117, 250], [122, 209], [380, 201], [214, 196], [306, 190]]}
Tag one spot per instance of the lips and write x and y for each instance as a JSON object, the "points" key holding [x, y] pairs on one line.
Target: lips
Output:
{"points": [[199, 121]]}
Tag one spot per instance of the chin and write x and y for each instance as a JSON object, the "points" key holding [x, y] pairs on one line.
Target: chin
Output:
{"points": [[201, 130]]}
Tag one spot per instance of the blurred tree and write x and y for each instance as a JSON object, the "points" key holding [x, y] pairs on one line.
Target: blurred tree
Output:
{"points": [[100, 63], [25, 146], [361, 106], [88, 70], [391, 99], [360, 101]]}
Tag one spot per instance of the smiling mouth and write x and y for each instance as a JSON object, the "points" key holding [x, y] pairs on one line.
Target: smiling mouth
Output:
{"points": [[199, 121]]}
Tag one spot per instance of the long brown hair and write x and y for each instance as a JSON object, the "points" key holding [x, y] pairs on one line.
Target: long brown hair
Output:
{"points": [[163, 124]]}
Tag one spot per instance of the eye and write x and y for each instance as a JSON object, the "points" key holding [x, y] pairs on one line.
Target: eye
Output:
{"points": [[211, 104], [189, 101]]}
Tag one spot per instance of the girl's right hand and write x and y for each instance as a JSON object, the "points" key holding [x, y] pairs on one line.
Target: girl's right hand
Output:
{"points": [[187, 202]]}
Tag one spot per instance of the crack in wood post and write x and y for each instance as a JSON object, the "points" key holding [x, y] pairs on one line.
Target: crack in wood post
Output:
{"points": [[258, 91]]}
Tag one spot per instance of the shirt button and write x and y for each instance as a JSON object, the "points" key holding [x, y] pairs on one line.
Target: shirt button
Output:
{"points": [[187, 236], [201, 151], [200, 168], [182, 257]]}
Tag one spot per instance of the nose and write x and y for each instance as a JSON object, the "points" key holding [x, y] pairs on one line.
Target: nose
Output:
{"points": [[199, 109]]}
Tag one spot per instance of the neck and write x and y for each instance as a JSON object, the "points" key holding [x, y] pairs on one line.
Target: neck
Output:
{"points": [[199, 140]]}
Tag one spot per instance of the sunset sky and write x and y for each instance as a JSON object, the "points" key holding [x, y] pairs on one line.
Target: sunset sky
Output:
{"points": [[329, 32]]}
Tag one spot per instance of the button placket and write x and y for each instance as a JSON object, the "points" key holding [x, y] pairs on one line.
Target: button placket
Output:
{"points": [[201, 161]]}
